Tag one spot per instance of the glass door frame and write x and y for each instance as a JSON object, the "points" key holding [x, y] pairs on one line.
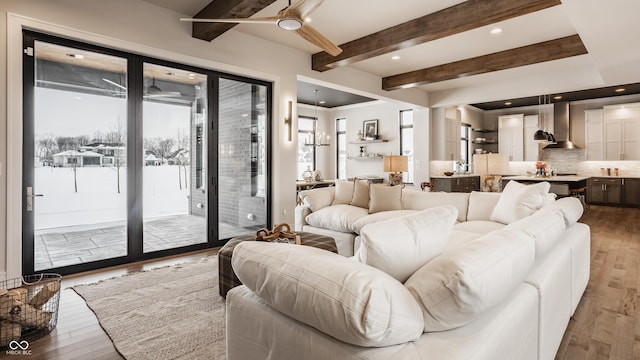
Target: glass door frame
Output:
{"points": [[134, 155]]}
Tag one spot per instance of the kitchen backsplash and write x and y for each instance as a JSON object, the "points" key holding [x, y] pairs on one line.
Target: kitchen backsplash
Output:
{"points": [[561, 160]]}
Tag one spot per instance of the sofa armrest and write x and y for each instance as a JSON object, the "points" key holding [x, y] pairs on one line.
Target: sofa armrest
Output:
{"points": [[301, 213]]}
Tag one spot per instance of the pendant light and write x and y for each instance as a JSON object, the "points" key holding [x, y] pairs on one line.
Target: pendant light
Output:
{"points": [[541, 136]]}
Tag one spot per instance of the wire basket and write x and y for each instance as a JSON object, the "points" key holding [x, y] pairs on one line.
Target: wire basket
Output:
{"points": [[28, 307]]}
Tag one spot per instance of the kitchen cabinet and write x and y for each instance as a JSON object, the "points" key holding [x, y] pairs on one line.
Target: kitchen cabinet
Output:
{"points": [[510, 136], [621, 132], [456, 183], [593, 134], [603, 190], [530, 147], [631, 191], [452, 138]]}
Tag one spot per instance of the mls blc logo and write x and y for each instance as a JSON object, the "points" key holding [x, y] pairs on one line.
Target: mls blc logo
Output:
{"points": [[19, 348]]}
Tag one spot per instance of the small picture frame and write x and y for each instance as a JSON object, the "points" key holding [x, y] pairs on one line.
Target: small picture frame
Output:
{"points": [[370, 129]]}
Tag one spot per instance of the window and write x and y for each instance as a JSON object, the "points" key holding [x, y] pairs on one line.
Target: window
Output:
{"points": [[341, 148], [406, 142], [465, 130], [306, 144]]}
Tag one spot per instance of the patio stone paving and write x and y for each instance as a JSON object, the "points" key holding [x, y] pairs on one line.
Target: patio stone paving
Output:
{"points": [[74, 246]]}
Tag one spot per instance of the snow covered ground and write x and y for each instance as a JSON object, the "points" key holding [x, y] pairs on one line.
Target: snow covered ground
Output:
{"points": [[97, 201]]}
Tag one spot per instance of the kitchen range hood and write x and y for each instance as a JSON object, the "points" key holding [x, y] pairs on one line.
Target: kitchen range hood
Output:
{"points": [[561, 127]]}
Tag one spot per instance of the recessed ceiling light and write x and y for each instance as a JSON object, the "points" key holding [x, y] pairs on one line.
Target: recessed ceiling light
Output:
{"points": [[322, 102], [395, 57], [496, 31], [76, 56], [557, 97], [618, 90], [308, 19], [508, 103]]}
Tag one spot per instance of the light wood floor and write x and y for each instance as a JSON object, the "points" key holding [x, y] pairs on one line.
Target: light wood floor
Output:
{"points": [[606, 324]]}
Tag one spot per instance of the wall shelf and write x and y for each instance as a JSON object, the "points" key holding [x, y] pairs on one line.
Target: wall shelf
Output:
{"points": [[367, 157], [486, 131], [486, 142], [367, 141]]}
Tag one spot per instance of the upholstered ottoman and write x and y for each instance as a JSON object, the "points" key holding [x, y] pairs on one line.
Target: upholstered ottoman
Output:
{"points": [[227, 279]]}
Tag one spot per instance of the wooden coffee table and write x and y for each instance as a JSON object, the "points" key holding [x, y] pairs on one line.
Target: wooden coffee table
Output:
{"points": [[227, 279]]}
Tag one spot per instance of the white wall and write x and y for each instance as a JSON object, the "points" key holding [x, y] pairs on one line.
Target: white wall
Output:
{"points": [[140, 27], [388, 115]]}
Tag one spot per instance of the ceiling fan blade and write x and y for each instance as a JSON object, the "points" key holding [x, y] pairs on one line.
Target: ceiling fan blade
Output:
{"points": [[265, 20], [313, 36], [302, 8]]}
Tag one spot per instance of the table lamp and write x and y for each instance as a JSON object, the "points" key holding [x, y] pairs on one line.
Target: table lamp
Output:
{"points": [[395, 165], [490, 167]]}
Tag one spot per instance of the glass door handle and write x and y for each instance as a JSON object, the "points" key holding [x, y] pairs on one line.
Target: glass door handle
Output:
{"points": [[30, 196]]}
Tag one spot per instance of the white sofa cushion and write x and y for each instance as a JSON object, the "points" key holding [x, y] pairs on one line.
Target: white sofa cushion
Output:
{"points": [[546, 236], [479, 226], [402, 245], [317, 199], [384, 198], [459, 285], [350, 301], [518, 200], [344, 192], [481, 205], [570, 207], [459, 238], [357, 226], [336, 217], [419, 200]]}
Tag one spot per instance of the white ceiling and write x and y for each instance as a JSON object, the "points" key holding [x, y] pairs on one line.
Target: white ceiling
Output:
{"points": [[607, 28]]}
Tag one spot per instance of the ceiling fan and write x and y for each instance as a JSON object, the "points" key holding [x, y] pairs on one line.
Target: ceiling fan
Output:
{"points": [[290, 18]]}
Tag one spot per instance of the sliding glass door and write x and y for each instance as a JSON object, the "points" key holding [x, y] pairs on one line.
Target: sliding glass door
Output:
{"points": [[127, 157], [175, 155], [76, 202]]}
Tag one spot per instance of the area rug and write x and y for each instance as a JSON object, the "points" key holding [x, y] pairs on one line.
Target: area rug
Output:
{"points": [[167, 313]]}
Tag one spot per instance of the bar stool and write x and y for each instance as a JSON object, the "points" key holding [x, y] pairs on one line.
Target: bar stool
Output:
{"points": [[426, 184], [580, 194]]}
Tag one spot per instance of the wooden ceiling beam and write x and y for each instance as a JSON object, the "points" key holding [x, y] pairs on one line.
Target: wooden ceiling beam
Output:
{"points": [[225, 9], [465, 16], [531, 54]]}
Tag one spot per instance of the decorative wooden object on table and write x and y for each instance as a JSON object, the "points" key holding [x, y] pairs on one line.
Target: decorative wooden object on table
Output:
{"points": [[280, 233]]}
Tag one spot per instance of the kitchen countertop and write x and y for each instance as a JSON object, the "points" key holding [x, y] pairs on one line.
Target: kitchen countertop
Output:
{"points": [[454, 176], [562, 178]]}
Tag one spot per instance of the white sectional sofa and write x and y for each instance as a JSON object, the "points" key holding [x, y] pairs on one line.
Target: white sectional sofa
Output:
{"points": [[444, 276]]}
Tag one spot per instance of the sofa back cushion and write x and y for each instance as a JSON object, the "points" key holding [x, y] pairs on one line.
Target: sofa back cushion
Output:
{"points": [[317, 199], [384, 198], [360, 194], [519, 200], [418, 200], [481, 205], [342, 298], [343, 192], [401, 246], [570, 207], [458, 286], [544, 226]]}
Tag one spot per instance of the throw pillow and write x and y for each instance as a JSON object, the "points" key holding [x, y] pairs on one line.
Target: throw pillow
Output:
{"points": [[402, 245], [360, 194], [344, 192], [463, 283], [347, 300], [518, 201], [385, 198], [337, 217]]}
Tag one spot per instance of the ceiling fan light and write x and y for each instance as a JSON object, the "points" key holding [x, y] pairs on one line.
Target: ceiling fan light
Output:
{"points": [[290, 24]]}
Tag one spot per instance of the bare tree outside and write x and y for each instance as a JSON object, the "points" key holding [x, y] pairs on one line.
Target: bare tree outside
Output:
{"points": [[182, 158]]}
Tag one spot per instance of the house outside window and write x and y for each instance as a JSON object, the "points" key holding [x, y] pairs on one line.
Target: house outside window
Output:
{"points": [[406, 142]]}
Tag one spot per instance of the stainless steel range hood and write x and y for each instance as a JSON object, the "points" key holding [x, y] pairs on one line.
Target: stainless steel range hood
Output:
{"points": [[561, 130]]}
